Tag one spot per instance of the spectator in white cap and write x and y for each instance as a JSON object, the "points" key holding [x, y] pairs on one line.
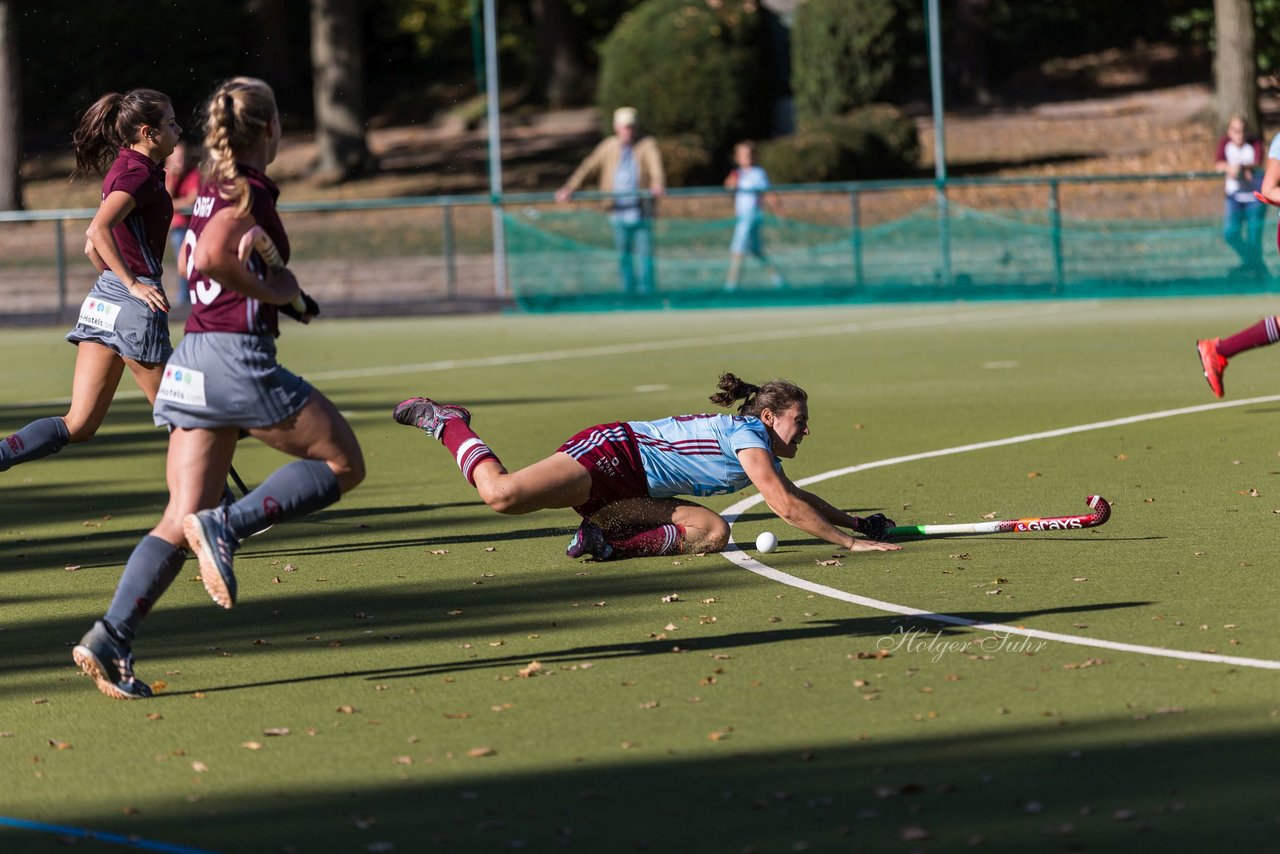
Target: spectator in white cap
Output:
{"points": [[627, 163]]}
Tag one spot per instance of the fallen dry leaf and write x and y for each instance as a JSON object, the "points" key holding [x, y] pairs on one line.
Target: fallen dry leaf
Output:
{"points": [[199, 767], [832, 562], [276, 731], [251, 745], [438, 551], [477, 752], [533, 669], [346, 710], [989, 515], [59, 745]]}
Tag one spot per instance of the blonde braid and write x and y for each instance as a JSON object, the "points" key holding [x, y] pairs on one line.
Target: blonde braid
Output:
{"points": [[236, 116]]}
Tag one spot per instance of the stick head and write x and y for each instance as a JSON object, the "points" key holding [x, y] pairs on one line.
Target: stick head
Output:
{"points": [[1101, 509]]}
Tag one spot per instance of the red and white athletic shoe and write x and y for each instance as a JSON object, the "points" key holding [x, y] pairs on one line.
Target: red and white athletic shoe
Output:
{"points": [[428, 415], [1213, 362]]}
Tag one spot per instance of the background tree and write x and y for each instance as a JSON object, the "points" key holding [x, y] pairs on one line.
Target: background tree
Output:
{"points": [[969, 77], [842, 54], [562, 73], [11, 110], [337, 68], [1235, 70]]}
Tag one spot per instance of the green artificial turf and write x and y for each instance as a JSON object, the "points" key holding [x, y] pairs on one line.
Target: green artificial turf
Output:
{"points": [[374, 690]]}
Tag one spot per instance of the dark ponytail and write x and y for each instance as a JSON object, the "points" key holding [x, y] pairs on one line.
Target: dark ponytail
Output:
{"points": [[776, 395], [113, 122]]}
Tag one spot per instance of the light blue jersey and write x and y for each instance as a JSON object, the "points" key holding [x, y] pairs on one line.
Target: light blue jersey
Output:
{"points": [[752, 181], [698, 454]]}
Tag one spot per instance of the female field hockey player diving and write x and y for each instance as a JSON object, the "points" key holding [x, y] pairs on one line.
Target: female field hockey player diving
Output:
{"points": [[623, 478]]}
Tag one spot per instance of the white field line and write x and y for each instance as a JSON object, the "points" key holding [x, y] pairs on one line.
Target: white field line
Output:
{"points": [[728, 338], [744, 560]]}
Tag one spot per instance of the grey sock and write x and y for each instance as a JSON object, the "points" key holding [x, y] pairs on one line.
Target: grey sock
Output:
{"points": [[147, 574], [296, 489], [38, 439]]}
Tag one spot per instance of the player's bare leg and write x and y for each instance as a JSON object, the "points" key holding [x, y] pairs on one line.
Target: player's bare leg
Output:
{"points": [[97, 375], [699, 529], [147, 375], [557, 481]]}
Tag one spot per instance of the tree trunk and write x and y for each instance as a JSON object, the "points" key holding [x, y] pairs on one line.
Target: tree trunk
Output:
{"points": [[10, 108], [337, 63], [562, 70], [967, 60], [1235, 69]]}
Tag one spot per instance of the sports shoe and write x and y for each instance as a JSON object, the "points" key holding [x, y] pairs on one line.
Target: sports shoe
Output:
{"points": [[1213, 362], [589, 540], [213, 544], [425, 413], [110, 662]]}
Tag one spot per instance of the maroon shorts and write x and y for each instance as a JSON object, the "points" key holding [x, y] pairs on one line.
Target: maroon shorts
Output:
{"points": [[610, 453]]}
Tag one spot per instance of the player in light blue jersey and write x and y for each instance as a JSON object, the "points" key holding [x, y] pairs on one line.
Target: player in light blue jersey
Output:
{"points": [[623, 478]]}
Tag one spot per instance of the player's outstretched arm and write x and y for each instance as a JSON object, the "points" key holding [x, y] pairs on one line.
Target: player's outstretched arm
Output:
{"points": [[787, 500], [873, 527]]}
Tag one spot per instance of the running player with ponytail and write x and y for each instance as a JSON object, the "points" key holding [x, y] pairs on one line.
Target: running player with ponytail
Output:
{"points": [[124, 321], [224, 378], [624, 478]]}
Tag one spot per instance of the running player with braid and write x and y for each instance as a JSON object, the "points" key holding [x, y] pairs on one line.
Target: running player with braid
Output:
{"points": [[124, 321], [224, 378], [624, 478]]}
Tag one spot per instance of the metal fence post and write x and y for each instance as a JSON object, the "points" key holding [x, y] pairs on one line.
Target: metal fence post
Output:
{"points": [[450, 261], [1055, 234], [855, 217], [60, 248]]}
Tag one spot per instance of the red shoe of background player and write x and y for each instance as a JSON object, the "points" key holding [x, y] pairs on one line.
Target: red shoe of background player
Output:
{"points": [[1213, 362]]}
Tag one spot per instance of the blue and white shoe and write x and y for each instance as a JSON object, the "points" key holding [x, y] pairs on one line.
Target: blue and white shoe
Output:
{"points": [[109, 661], [214, 545], [427, 414], [589, 539]]}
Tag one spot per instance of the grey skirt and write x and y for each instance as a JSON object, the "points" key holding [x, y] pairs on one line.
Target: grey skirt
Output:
{"points": [[227, 379], [115, 318]]}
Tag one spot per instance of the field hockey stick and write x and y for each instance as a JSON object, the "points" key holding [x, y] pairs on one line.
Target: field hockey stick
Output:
{"points": [[1101, 513], [235, 476], [1265, 200], [257, 239]]}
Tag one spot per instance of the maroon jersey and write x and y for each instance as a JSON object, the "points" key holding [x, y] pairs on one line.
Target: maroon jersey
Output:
{"points": [[215, 308], [142, 235]]}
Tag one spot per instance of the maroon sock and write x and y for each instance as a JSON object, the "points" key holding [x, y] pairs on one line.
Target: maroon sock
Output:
{"points": [[655, 542], [1262, 333], [467, 448]]}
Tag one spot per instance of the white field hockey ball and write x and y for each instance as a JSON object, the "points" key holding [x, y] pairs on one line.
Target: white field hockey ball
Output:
{"points": [[766, 543]]}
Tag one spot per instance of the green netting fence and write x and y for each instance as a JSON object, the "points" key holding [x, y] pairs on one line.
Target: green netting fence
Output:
{"points": [[986, 238], [566, 259]]}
